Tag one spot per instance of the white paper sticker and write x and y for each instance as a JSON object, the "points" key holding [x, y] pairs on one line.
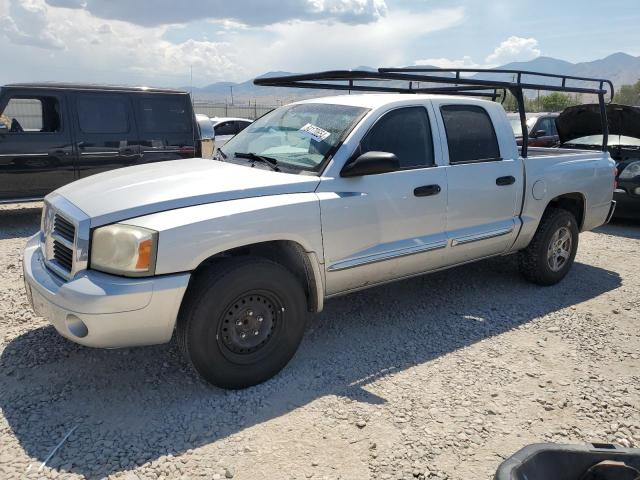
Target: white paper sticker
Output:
{"points": [[316, 133]]}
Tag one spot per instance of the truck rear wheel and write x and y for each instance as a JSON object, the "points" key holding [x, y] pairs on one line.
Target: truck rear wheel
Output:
{"points": [[549, 256], [242, 320]]}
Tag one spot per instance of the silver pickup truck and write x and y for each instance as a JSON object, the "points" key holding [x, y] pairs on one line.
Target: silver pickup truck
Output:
{"points": [[315, 199]]}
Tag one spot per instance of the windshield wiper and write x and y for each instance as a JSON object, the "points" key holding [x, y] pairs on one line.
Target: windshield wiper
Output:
{"points": [[272, 162], [222, 154]]}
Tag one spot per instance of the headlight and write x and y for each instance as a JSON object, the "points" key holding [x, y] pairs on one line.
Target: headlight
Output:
{"points": [[124, 250], [630, 171]]}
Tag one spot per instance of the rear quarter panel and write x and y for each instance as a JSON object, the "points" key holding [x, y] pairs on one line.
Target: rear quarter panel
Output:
{"points": [[556, 173]]}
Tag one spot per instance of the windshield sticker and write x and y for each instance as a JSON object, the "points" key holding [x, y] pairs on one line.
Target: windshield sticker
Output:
{"points": [[316, 133]]}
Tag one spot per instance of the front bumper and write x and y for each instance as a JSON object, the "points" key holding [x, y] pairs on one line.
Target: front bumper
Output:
{"points": [[628, 205], [100, 310]]}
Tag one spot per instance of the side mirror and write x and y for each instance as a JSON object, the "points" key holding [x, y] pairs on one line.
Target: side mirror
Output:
{"points": [[539, 133], [371, 163]]}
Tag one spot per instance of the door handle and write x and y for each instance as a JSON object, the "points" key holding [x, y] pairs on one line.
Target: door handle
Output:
{"points": [[503, 181], [427, 190], [59, 152]]}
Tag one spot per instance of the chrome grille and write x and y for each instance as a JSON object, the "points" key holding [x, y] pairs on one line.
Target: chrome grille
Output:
{"points": [[64, 237], [63, 255], [64, 228], [59, 241]]}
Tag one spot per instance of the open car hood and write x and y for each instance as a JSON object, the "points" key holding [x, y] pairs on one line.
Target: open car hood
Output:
{"points": [[584, 120]]}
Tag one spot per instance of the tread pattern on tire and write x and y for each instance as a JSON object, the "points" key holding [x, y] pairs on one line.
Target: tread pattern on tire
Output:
{"points": [[530, 257], [197, 288], [227, 273]]}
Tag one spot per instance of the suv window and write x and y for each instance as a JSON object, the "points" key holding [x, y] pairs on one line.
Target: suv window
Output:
{"points": [[163, 114], [405, 132], [470, 134], [103, 114], [31, 115], [226, 128]]}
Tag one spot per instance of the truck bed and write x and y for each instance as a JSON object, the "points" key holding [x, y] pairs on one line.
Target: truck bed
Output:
{"points": [[549, 151]]}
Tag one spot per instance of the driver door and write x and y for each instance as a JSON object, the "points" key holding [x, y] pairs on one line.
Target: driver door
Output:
{"points": [[382, 227]]}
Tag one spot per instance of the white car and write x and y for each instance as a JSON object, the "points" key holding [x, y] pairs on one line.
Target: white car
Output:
{"points": [[227, 127], [207, 135], [315, 199]]}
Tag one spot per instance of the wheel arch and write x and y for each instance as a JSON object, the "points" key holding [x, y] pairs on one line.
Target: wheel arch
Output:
{"points": [[288, 253], [574, 202]]}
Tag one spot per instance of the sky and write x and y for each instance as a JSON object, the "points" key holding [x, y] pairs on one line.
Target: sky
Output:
{"points": [[163, 42]]}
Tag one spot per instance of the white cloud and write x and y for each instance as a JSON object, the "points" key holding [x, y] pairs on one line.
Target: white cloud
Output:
{"points": [[464, 62], [308, 46], [25, 23], [251, 12], [514, 49], [85, 47]]}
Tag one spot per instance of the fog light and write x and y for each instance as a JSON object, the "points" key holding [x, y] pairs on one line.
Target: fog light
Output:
{"points": [[76, 326], [636, 190]]}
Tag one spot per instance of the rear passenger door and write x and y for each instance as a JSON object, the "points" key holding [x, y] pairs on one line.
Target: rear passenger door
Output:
{"points": [[166, 127], [106, 133], [484, 178]]}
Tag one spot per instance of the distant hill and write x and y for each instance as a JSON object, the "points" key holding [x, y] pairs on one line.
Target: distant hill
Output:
{"points": [[620, 68]]}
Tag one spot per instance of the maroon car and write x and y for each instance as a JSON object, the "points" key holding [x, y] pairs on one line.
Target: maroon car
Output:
{"points": [[542, 129]]}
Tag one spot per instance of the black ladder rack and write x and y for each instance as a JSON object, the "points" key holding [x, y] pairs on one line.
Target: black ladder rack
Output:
{"points": [[449, 81]]}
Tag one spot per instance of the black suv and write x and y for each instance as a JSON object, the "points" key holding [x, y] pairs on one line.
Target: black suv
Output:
{"points": [[53, 134]]}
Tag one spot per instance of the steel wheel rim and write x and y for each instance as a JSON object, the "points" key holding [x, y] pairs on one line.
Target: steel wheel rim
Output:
{"points": [[559, 250], [249, 324]]}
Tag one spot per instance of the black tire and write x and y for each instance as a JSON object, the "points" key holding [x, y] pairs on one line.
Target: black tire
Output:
{"points": [[535, 264], [220, 314]]}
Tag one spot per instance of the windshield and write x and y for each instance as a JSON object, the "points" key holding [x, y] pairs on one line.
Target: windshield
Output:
{"points": [[613, 140], [517, 126], [298, 137]]}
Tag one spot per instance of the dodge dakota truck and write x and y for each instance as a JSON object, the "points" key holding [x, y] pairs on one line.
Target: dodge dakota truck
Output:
{"points": [[316, 199]]}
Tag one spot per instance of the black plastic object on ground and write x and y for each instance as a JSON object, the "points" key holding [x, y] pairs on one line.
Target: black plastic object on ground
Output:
{"points": [[548, 461]]}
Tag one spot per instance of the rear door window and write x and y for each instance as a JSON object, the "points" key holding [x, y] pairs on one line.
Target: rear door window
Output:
{"points": [[103, 114], [165, 114], [405, 132], [31, 115], [470, 134]]}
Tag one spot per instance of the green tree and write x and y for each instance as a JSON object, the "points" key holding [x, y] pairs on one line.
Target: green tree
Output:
{"points": [[556, 102], [628, 94]]}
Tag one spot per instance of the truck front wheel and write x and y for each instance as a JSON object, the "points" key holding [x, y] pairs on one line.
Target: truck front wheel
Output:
{"points": [[241, 321], [549, 256]]}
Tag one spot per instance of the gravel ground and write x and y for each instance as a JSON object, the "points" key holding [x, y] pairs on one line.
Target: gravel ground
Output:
{"points": [[439, 377]]}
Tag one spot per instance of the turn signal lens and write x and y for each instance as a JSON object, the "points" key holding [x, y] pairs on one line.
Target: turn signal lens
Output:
{"points": [[145, 249]]}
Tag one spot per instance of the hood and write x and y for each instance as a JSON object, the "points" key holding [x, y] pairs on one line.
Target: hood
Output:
{"points": [[144, 189], [584, 120]]}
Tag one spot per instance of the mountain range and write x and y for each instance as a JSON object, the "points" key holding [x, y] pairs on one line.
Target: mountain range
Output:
{"points": [[620, 68]]}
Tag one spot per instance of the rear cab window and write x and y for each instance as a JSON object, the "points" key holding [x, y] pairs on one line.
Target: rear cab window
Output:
{"points": [[405, 132], [471, 136]]}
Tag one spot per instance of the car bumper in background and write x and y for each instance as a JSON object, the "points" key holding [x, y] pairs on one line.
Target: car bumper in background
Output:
{"points": [[627, 205], [101, 310]]}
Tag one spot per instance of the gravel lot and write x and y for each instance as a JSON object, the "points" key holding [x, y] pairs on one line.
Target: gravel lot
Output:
{"points": [[436, 377]]}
